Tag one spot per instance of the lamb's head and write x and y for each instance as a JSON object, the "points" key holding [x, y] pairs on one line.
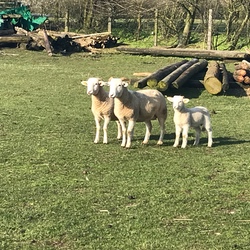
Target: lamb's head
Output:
{"points": [[93, 85], [116, 87], [178, 101]]}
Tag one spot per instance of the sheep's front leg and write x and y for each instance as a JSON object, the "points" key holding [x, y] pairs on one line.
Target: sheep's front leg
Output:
{"points": [[197, 136], [124, 130], [184, 136], [130, 130], [177, 135], [162, 131], [148, 132], [98, 127], [105, 129], [119, 130]]}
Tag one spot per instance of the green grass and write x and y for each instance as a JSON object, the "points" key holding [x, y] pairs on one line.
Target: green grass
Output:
{"points": [[60, 191]]}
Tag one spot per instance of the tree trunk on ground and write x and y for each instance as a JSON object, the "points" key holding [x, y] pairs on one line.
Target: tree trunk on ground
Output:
{"points": [[165, 82], [205, 54], [155, 77], [189, 72], [212, 81]]}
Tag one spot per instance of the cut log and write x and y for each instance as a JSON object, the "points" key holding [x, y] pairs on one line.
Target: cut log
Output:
{"points": [[212, 81], [225, 81], [241, 72], [189, 72], [14, 39], [47, 43], [204, 54], [155, 77], [247, 80], [165, 82], [142, 74], [238, 78]]}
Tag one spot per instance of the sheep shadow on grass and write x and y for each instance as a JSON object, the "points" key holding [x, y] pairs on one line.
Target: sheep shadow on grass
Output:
{"points": [[222, 141]]}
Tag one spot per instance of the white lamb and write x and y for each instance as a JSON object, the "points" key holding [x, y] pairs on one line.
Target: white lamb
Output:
{"points": [[184, 118], [137, 106], [102, 107]]}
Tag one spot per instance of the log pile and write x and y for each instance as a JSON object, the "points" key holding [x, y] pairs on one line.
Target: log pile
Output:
{"points": [[242, 72], [212, 76], [60, 41]]}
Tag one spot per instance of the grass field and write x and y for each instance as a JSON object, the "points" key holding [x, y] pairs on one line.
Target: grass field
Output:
{"points": [[59, 190]]}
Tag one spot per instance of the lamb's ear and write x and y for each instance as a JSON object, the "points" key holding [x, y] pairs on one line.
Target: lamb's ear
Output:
{"points": [[84, 83], [102, 83], [125, 84], [110, 78], [170, 98], [185, 100]]}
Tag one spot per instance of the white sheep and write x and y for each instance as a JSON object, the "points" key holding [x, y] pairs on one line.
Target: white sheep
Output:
{"points": [[102, 107], [137, 106], [184, 118]]}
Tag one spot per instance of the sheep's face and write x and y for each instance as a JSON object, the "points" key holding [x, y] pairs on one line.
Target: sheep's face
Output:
{"points": [[116, 87], [93, 86], [178, 102]]}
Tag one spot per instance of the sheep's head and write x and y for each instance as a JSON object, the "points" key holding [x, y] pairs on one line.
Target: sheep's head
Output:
{"points": [[178, 101], [93, 85], [116, 87]]}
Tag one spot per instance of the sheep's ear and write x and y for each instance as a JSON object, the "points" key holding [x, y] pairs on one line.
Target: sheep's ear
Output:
{"points": [[170, 98], [84, 83], [110, 78], [102, 83], [125, 84], [185, 100]]}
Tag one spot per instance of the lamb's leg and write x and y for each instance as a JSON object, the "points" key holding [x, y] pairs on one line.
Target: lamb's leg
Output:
{"points": [[130, 130], [177, 135], [119, 130], [184, 136], [208, 127], [148, 132], [197, 136], [105, 129], [210, 140], [162, 132], [98, 127], [124, 130]]}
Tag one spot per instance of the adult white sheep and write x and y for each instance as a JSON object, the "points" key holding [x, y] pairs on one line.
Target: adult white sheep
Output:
{"points": [[102, 107], [137, 106], [184, 118]]}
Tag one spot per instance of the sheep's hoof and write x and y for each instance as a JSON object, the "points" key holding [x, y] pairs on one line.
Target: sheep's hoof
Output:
{"points": [[159, 142], [175, 145]]}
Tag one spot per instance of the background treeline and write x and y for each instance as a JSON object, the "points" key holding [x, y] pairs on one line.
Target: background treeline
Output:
{"points": [[180, 22]]}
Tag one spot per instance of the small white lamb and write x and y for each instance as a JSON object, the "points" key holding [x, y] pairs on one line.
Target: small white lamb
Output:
{"points": [[137, 106], [102, 107], [184, 118]]}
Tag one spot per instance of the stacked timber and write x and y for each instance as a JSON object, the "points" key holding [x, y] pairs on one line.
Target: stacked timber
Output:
{"points": [[215, 76], [60, 41], [173, 75], [242, 72]]}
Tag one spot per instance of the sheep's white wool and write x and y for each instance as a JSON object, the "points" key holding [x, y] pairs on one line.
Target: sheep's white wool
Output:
{"points": [[184, 118], [137, 106], [102, 107]]}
